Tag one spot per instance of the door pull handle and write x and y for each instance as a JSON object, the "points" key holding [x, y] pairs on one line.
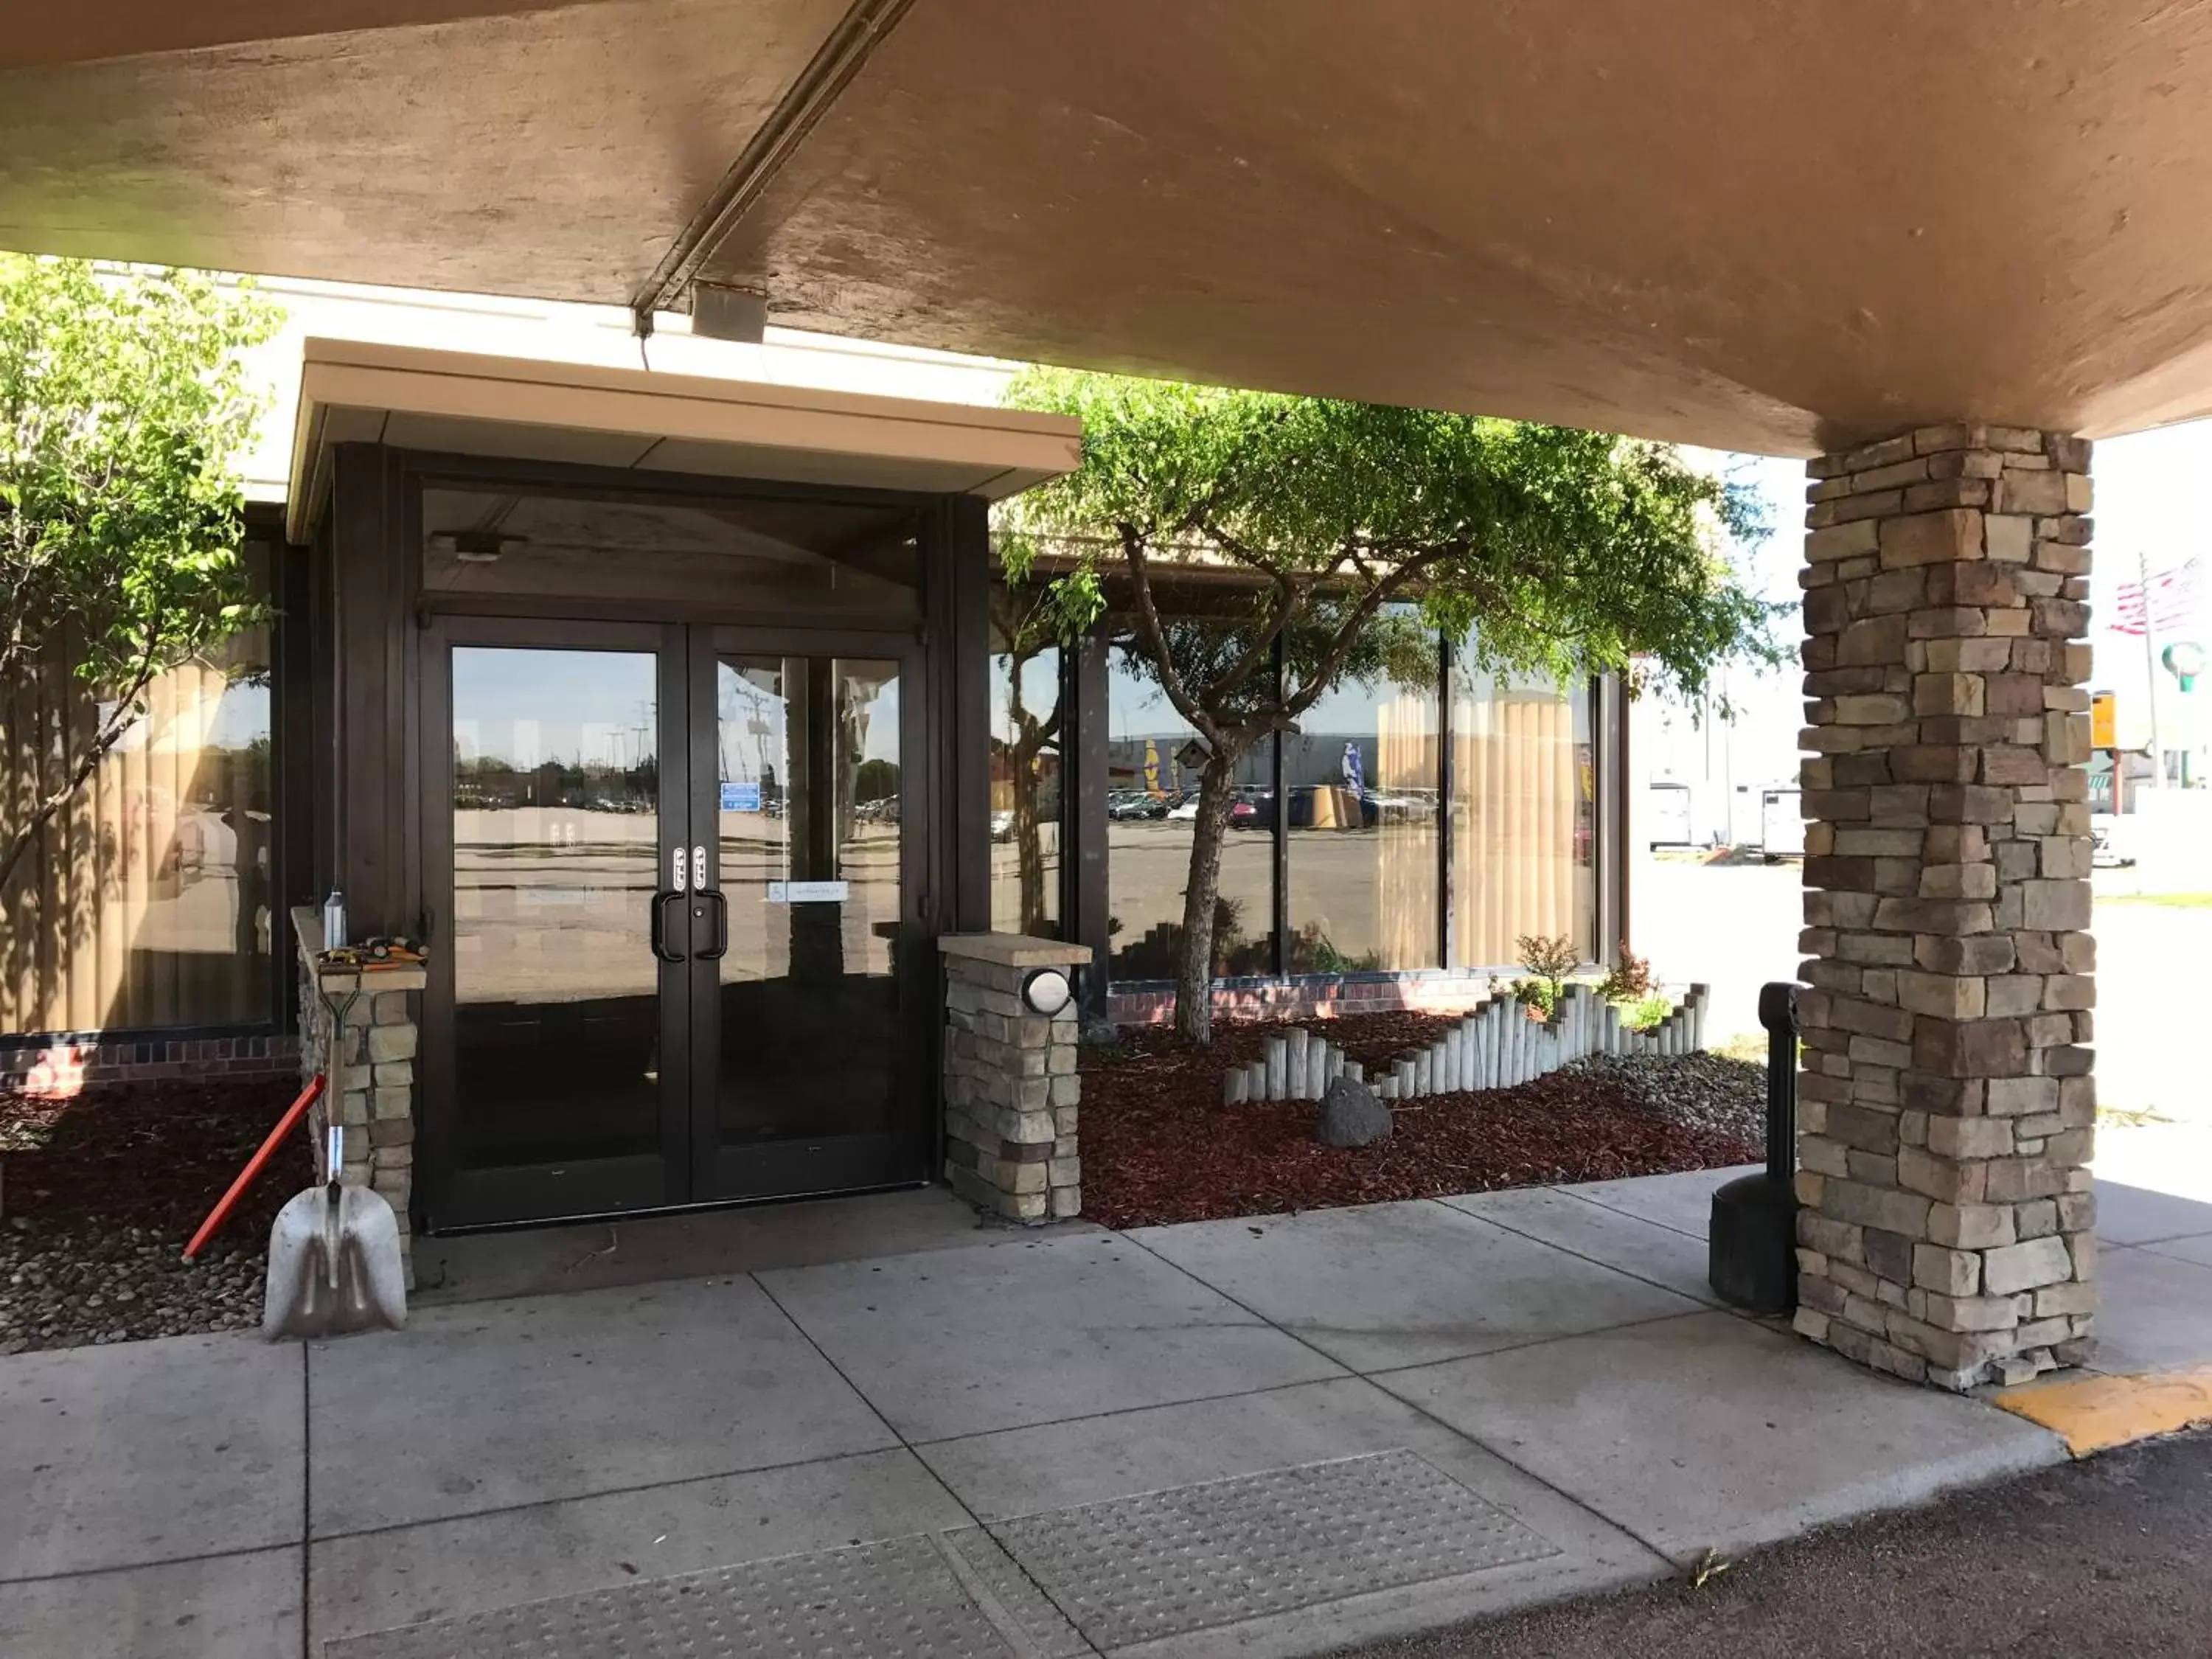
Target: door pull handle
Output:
{"points": [[720, 947], [664, 937]]}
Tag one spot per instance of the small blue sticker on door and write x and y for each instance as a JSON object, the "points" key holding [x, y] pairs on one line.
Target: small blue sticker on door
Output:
{"points": [[741, 798]]}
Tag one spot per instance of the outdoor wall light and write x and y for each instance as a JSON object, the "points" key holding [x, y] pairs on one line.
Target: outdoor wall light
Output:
{"points": [[1046, 990]]}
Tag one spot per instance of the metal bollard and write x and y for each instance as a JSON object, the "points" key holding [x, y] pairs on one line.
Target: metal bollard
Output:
{"points": [[1752, 1244]]}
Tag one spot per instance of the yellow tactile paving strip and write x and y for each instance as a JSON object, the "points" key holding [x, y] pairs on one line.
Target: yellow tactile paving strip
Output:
{"points": [[2094, 1414]]}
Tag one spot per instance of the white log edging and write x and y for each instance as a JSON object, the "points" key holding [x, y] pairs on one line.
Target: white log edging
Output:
{"points": [[1496, 1047]]}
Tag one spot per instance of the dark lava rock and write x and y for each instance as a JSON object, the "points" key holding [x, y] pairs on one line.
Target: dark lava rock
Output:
{"points": [[1350, 1115]]}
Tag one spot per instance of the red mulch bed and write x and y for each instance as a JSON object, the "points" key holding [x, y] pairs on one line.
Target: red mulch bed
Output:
{"points": [[153, 1155], [1159, 1146]]}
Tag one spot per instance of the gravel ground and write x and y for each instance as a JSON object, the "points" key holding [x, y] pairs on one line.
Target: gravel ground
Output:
{"points": [[64, 1285], [1705, 1092], [103, 1191]]}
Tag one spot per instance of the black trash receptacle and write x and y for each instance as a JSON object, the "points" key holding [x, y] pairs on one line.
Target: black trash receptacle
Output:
{"points": [[1751, 1245]]}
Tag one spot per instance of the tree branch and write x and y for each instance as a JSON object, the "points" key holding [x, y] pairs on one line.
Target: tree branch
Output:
{"points": [[42, 812], [1148, 618], [1354, 623]]}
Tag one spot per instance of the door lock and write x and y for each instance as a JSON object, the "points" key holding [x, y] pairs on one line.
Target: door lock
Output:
{"points": [[709, 897]]}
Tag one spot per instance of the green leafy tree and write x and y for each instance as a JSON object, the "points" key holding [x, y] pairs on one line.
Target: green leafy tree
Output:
{"points": [[1562, 552], [125, 408]]}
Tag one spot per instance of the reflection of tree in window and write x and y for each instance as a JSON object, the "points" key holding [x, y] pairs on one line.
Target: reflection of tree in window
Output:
{"points": [[1025, 754], [1153, 772], [1360, 774]]}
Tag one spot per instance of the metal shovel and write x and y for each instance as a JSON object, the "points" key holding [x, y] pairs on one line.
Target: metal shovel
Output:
{"points": [[334, 1260]]}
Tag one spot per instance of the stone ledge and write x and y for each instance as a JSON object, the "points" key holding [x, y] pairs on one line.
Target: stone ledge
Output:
{"points": [[1013, 950], [308, 931]]}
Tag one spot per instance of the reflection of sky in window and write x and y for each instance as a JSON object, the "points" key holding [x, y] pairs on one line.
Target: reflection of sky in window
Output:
{"points": [[880, 741], [1136, 706], [592, 706], [239, 718], [1354, 708], [753, 722], [1040, 687], [597, 701]]}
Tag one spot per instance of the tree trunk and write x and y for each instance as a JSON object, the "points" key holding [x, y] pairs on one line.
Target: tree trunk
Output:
{"points": [[1028, 854], [1194, 973]]}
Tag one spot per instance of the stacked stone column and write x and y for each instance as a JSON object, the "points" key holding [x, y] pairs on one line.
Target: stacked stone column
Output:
{"points": [[1011, 1088], [1947, 1101]]}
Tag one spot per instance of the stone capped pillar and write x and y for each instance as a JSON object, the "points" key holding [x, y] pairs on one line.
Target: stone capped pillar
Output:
{"points": [[1011, 1088], [1947, 1104]]}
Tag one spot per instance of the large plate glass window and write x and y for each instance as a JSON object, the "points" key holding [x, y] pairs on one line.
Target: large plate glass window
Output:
{"points": [[1360, 776], [1524, 790]]}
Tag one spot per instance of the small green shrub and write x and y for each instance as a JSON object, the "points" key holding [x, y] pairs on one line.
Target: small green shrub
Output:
{"points": [[1645, 1012], [1549, 961], [1540, 995]]}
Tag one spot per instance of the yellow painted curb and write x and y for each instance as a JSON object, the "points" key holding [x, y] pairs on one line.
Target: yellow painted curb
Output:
{"points": [[2094, 1413]]}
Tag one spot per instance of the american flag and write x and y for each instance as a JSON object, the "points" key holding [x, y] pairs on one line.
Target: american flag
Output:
{"points": [[2172, 603]]}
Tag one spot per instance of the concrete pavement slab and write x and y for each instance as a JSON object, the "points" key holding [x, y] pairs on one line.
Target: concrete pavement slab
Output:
{"points": [[2139, 1215], [1032, 1331], [225, 1607], [903, 1598], [441, 1568], [1642, 1248], [2198, 1249], [1200, 1457], [1384, 1284], [486, 1404], [140, 1452], [2153, 1312], [1711, 1431], [697, 1244], [1684, 1202]]}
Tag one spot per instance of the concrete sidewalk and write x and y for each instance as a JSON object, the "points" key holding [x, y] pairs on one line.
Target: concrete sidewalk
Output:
{"points": [[1268, 1436]]}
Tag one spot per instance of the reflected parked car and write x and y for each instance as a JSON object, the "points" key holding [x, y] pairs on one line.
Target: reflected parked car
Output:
{"points": [[1135, 803], [1138, 804], [1253, 809]]}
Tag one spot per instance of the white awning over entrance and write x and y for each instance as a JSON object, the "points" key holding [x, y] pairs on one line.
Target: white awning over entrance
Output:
{"points": [[457, 403]]}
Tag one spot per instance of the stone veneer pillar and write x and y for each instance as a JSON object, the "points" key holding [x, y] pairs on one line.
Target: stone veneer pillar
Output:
{"points": [[1947, 1104], [372, 1095], [1010, 1090]]}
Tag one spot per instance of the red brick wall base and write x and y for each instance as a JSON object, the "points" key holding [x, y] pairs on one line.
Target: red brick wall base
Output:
{"points": [[87, 1059]]}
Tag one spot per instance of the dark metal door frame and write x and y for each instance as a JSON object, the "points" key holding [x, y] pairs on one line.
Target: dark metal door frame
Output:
{"points": [[455, 1196], [691, 1166], [841, 1164]]}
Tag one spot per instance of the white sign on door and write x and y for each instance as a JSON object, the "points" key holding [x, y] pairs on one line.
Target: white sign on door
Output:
{"points": [[808, 892]]}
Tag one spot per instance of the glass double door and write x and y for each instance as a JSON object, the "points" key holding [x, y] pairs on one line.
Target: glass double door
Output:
{"points": [[682, 866]]}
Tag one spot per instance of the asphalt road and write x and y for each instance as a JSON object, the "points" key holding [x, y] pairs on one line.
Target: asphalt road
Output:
{"points": [[2112, 1556]]}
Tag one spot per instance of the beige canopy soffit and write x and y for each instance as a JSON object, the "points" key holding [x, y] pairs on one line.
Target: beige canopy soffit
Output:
{"points": [[456, 402]]}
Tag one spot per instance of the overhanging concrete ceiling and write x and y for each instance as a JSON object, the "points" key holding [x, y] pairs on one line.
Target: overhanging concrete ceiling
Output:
{"points": [[1762, 224]]}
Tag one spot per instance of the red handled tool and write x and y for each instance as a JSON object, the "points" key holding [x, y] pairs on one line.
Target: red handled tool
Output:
{"points": [[308, 1096]]}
